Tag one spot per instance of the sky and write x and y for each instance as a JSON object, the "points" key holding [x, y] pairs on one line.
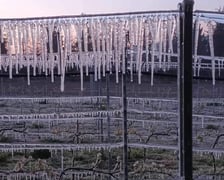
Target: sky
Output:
{"points": [[40, 8]]}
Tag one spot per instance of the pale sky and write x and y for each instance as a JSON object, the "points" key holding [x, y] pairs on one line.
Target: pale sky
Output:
{"points": [[39, 8]]}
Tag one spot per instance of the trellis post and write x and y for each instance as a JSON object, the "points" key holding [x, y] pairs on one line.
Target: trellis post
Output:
{"points": [[185, 90]]}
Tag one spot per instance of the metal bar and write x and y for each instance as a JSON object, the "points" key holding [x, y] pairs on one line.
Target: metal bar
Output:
{"points": [[180, 90], [187, 88], [105, 15], [90, 15], [124, 93], [108, 119]]}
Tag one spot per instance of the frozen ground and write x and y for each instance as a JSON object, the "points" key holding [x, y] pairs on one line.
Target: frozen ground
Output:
{"points": [[75, 127]]}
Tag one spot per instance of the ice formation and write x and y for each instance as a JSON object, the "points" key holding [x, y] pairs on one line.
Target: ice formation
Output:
{"points": [[86, 44], [97, 44]]}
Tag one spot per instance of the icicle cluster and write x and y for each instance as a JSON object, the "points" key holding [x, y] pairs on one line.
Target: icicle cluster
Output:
{"points": [[97, 44], [54, 46], [54, 116], [58, 147]]}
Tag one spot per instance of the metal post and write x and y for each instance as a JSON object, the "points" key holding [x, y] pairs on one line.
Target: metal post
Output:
{"points": [[186, 88], [180, 90], [124, 93], [108, 119]]}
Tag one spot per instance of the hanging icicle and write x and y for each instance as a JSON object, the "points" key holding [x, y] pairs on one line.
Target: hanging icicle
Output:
{"points": [[50, 42], [116, 55], [161, 41], [197, 26], [211, 45], [131, 41], [62, 55], [140, 46], [170, 40], [80, 34], [153, 34]]}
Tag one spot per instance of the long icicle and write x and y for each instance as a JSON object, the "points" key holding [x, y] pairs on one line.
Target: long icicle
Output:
{"points": [[81, 56], [62, 58], [197, 26], [99, 56], [164, 46], [85, 38], [51, 56], [116, 50], [10, 44], [33, 36], [169, 29], [153, 33], [20, 45], [211, 45], [140, 46], [130, 63], [104, 25], [26, 38], [93, 27], [15, 32], [161, 42]]}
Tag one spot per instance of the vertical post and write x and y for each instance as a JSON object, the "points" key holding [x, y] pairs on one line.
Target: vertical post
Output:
{"points": [[186, 87], [100, 106], [124, 93], [180, 90], [108, 119], [62, 159]]}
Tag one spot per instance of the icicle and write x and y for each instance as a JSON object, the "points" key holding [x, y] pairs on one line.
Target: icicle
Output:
{"points": [[139, 53], [69, 47], [118, 51], [20, 45], [85, 34], [197, 26], [10, 43], [108, 44], [169, 40], [116, 31], [94, 48], [79, 31], [37, 46], [164, 47], [132, 45], [62, 66], [161, 42], [25, 38], [16, 46], [46, 41], [51, 56], [111, 57], [123, 44], [99, 57], [172, 34], [153, 33], [42, 44], [211, 45], [33, 37], [59, 51], [104, 48]]}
